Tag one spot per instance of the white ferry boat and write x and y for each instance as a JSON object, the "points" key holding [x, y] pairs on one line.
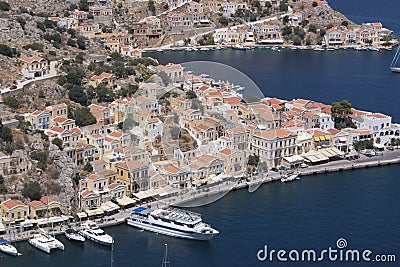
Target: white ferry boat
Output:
{"points": [[91, 231], [172, 222]]}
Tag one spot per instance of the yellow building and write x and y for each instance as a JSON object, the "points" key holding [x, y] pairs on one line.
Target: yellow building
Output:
{"points": [[133, 174], [14, 210]]}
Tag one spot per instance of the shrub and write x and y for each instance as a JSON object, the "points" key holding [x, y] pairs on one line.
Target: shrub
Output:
{"points": [[12, 102], [32, 190], [4, 6]]}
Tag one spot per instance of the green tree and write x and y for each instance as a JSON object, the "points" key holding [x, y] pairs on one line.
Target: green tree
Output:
{"points": [[314, 4], [4, 6], [83, 5], [151, 6], [77, 95], [286, 30], [175, 131], [253, 160], [88, 167], [22, 22], [7, 51], [299, 32], [71, 42], [58, 142], [12, 102], [104, 94], [285, 19], [296, 40], [81, 42], [5, 133], [41, 158], [312, 28], [83, 117], [32, 191], [283, 6], [345, 23], [223, 21], [341, 112], [190, 95]]}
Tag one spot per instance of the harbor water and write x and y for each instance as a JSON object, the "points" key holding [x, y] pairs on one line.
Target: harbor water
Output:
{"points": [[360, 206]]}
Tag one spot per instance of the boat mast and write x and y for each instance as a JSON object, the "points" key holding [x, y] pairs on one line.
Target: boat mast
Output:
{"points": [[165, 262], [396, 57], [112, 254]]}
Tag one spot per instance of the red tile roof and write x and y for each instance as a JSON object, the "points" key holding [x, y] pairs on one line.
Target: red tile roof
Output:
{"points": [[12, 203]]}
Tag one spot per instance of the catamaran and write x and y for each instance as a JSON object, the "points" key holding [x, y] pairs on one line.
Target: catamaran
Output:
{"points": [[393, 67], [172, 222], [45, 242]]}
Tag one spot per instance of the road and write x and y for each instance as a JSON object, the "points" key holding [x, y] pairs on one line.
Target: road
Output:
{"points": [[194, 37], [20, 84]]}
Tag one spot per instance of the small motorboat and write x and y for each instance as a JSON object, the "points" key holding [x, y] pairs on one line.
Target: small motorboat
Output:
{"points": [[290, 178], [7, 248], [73, 235]]}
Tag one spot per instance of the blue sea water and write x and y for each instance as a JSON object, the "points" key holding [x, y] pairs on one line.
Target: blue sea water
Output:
{"points": [[361, 206]]}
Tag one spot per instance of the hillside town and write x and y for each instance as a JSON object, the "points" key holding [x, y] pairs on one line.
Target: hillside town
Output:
{"points": [[90, 126]]}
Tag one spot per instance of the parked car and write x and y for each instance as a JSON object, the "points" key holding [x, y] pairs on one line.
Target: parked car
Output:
{"points": [[303, 165], [283, 168], [274, 169]]}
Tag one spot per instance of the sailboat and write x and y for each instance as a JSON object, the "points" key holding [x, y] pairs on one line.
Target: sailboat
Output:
{"points": [[165, 262], [44, 241], [393, 67]]}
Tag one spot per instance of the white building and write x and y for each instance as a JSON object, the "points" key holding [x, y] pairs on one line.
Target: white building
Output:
{"points": [[325, 121], [273, 145], [377, 123]]}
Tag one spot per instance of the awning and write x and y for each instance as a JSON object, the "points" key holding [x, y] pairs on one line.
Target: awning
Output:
{"points": [[322, 138], [342, 139], [81, 215], [125, 201], [316, 138], [294, 159], [327, 137], [94, 212], [109, 206], [141, 195]]}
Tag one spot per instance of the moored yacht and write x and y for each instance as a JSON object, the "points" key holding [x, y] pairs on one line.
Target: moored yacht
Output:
{"points": [[45, 242], [73, 235], [7, 248], [91, 231], [172, 222], [290, 178]]}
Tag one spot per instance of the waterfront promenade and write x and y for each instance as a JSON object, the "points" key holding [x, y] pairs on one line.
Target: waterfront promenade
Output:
{"points": [[218, 190]]}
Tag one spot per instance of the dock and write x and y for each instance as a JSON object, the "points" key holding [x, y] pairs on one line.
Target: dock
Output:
{"points": [[214, 192]]}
